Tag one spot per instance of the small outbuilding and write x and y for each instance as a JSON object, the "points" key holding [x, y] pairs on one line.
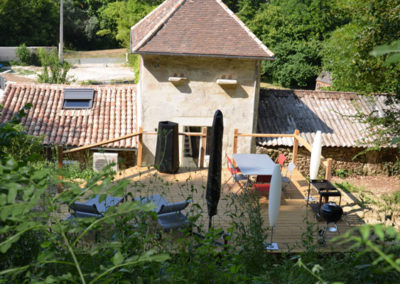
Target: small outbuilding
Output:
{"points": [[197, 56]]}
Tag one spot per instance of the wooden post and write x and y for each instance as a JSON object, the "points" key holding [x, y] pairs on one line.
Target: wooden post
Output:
{"points": [[328, 172], [203, 146], [295, 146], [140, 147], [235, 140], [60, 164]]}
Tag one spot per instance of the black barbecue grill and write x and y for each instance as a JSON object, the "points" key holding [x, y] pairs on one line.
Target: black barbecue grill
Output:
{"points": [[332, 213], [325, 190]]}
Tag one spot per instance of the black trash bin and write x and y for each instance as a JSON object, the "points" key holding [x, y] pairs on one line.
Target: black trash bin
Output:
{"points": [[167, 151]]}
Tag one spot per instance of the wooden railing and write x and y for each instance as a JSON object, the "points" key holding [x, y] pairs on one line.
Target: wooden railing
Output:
{"points": [[326, 162], [139, 134]]}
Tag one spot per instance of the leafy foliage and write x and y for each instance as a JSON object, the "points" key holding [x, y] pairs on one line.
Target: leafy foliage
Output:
{"points": [[58, 71], [33, 22], [347, 52]]}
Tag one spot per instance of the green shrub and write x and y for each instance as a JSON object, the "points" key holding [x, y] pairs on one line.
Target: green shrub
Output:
{"points": [[53, 72], [134, 62], [26, 57]]}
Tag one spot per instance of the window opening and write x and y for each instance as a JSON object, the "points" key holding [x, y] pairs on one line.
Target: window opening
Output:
{"points": [[78, 98]]}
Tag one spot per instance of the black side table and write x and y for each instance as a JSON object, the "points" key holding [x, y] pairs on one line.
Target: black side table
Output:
{"points": [[325, 190]]}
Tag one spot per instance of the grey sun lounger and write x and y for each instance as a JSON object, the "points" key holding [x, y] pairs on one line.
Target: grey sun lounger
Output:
{"points": [[169, 214]]}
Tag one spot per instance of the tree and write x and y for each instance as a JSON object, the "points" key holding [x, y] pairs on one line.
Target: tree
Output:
{"points": [[294, 30], [346, 54], [30, 22], [117, 18]]}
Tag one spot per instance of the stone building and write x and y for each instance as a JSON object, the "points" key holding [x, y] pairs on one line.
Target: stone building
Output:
{"points": [[197, 57], [343, 136]]}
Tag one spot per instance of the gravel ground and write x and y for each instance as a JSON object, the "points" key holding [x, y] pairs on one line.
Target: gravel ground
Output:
{"points": [[102, 73]]}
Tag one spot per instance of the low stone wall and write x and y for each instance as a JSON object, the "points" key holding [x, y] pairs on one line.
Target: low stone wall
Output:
{"points": [[370, 163], [9, 53]]}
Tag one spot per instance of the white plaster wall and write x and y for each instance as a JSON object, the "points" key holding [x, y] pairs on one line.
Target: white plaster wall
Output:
{"points": [[194, 101], [8, 53]]}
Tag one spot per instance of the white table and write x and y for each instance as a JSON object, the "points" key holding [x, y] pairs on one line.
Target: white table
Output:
{"points": [[254, 164]]}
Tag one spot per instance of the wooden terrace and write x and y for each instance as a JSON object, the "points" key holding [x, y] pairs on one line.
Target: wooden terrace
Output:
{"points": [[294, 217]]}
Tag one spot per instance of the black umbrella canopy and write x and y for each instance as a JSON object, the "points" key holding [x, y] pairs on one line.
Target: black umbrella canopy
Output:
{"points": [[214, 168]]}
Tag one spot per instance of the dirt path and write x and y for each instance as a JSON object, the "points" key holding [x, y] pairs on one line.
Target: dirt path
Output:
{"points": [[375, 184]]}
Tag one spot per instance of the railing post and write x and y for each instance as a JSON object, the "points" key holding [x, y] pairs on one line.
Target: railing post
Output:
{"points": [[328, 172], [140, 147], [203, 146], [295, 146], [59, 166], [235, 140]]}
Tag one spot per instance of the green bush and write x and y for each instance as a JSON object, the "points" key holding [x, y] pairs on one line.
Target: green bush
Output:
{"points": [[26, 57], [54, 72]]}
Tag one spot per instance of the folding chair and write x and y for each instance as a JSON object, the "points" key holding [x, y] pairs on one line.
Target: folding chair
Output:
{"points": [[281, 159], [288, 176], [235, 172]]}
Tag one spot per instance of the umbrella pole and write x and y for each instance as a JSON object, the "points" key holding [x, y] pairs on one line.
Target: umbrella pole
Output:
{"points": [[209, 223], [272, 232]]}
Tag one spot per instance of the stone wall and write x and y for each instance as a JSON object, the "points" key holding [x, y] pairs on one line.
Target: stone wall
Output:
{"points": [[370, 163], [9, 53], [194, 100]]}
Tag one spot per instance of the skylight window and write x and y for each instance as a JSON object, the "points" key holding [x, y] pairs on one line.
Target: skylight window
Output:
{"points": [[78, 98]]}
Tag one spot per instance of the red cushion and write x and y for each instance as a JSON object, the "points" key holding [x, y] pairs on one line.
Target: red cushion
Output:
{"points": [[261, 186]]}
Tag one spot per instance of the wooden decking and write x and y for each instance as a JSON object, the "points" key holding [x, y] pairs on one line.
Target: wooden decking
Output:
{"points": [[294, 217]]}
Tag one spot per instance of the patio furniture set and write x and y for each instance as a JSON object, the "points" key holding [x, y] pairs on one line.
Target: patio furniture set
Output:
{"points": [[260, 166], [170, 215]]}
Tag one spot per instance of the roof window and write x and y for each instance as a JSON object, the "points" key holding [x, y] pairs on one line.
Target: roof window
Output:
{"points": [[78, 98]]}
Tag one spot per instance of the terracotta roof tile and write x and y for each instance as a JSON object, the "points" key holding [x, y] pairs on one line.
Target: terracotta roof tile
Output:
{"points": [[196, 27], [74, 127]]}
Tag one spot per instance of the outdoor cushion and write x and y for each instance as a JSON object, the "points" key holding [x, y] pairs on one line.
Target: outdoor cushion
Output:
{"points": [[84, 208], [173, 207]]}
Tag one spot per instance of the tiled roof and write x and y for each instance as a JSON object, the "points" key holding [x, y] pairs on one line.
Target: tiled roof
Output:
{"points": [[196, 27], [283, 111], [113, 114]]}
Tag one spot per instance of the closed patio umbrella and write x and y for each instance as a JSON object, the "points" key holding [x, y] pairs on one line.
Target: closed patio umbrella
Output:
{"points": [[274, 202], [315, 156], [213, 190]]}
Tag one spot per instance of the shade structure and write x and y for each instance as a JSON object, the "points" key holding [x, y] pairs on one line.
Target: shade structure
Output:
{"points": [[214, 168], [315, 156], [275, 195]]}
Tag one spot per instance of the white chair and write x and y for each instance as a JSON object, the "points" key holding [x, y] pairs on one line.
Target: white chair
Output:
{"points": [[288, 176]]}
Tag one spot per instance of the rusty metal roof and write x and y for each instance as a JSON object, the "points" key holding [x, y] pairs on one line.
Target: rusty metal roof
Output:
{"points": [[283, 111], [112, 114]]}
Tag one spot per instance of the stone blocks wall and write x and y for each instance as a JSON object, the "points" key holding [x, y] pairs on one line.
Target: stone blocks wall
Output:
{"points": [[8, 53], [370, 163]]}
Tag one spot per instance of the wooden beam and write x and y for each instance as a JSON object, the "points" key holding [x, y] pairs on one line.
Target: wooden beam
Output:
{"points": [[59, 166], [199, 134], [304, 143], [203, 146], [295, 146], [328, 171], [102, 143], [235, 140], [265, 135], [140, 147]]}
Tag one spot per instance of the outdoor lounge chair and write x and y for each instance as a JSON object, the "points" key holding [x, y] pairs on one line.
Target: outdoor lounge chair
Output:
{"points": [[169, 214], [92, 207]]}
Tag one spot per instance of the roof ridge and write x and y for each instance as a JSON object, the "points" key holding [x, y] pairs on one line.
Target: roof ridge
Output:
{"points": [[248, 31], [158, 25]]}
